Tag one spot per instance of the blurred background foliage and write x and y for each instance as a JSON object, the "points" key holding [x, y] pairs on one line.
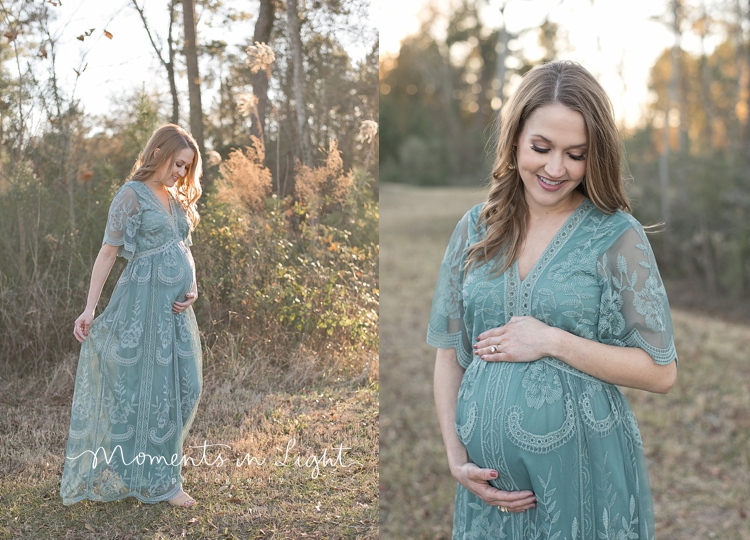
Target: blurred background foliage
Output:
{"points": [[280, 272], [688, 154]]}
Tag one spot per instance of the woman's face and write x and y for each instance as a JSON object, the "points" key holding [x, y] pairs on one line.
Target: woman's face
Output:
{"points": [[176, 168], [551, 155]]}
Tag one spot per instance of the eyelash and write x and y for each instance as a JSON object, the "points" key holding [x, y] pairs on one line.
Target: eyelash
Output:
{"points": [[535, 148]]}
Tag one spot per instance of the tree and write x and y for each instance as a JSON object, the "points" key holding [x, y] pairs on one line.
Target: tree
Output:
{"points": [[169, 62], [262, 34], [293, 28], [194, 79]]}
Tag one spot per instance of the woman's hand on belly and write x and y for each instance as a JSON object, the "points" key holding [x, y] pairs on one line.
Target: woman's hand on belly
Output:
{"points": [[522, 339], [476, 480], [179, 307]]}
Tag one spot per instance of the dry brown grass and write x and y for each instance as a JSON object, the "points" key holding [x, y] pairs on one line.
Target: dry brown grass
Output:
{"points": [[248, 404], [697, 438]]}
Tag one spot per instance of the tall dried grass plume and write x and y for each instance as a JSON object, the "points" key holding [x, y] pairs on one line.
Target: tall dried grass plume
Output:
{"points": [[260, 57], [328, 180], [368, 129], [245, 179]]}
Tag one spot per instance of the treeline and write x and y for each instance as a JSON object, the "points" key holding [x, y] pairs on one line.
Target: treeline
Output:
{"points": [[298, 265], [689, 157]]}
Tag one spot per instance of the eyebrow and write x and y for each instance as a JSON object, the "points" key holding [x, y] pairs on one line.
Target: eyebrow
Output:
{"points": [[545, 139]]}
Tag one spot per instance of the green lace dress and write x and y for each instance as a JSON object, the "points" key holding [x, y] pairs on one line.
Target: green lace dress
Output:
{"points": [[544, 426], [139, 373]]}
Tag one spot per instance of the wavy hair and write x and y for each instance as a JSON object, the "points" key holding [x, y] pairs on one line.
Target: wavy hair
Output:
{"points": [[505, 213], [170, 139]]}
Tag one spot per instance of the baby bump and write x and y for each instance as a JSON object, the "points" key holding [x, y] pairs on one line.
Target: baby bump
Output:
{"points": [[512, 416], [175, 271]]}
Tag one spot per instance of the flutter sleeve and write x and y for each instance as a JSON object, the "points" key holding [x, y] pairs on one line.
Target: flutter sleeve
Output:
{"points": [[447, 329], [634, 310], [123, 222]]}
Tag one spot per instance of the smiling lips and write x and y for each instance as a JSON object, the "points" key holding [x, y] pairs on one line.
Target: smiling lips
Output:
{"points": [[549, 185]]}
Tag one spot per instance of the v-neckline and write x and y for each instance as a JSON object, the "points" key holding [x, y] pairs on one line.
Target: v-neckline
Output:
{"points": [[551, 244], [167, 209]]}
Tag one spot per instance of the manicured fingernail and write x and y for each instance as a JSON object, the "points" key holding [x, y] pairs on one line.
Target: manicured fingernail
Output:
{"points": [[493, 474]]}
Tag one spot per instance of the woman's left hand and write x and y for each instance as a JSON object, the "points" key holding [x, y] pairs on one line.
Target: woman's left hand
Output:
{"points": [[522, 339], [179, 307]]}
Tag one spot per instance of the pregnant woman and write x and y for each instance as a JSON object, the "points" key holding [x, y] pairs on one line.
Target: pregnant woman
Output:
{"points": [[139, 373], [547, 298]]}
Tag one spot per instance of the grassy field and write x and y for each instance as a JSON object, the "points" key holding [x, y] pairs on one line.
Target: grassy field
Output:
{"points": [[697, 438], [285, 419]]}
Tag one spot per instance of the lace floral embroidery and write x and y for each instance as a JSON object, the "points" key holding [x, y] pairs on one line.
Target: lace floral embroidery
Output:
{"points": [[542, 384]]}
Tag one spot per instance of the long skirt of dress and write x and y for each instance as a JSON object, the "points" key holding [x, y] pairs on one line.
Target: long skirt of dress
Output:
{"points": [[137, 388]]}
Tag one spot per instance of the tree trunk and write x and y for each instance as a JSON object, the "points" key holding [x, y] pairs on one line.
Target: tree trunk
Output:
{"points": [[194, 79], [169, 63], [262, 34], [503, 39], [664, 185], [677, 102], [170, 67], [299, 82], [747, 104]]}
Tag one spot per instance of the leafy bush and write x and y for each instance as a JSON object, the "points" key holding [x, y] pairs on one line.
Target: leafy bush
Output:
{"points": [[300, 269]]}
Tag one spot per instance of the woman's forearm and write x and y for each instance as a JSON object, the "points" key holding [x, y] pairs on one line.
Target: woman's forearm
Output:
{"points": [[448, 375], [102, 266], [623, 366]]}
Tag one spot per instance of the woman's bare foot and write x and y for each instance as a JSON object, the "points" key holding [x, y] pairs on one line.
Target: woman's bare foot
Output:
{"points": [[182, 499]]}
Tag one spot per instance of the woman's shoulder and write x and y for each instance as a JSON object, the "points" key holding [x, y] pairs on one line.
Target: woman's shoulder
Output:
{"points": [[617, 225], [466, 228], [128, 189], [619, 218], [471, 217]]}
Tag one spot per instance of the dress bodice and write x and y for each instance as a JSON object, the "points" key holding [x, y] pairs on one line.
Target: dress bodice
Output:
{"points": [[139, 222], [597, 279]]}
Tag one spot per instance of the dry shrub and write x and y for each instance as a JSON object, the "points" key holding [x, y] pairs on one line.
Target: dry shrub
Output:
{"points": [[245, 179], [327, 182], [287, 272]]}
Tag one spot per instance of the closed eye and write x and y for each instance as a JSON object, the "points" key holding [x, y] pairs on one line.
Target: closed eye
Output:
{"points": [[575, 157]]}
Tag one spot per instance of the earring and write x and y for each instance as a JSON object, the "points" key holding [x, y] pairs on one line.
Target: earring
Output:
{"points": [[511, 167]]}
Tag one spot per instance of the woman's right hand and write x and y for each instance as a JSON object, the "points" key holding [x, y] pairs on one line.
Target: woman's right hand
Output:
{"points": [[83, 323], [476, 480]]}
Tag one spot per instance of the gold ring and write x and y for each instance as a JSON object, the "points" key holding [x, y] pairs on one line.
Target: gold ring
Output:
{"points": [[493, 349], [503, 509]]}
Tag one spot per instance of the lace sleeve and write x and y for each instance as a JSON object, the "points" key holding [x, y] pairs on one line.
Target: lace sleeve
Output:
{"points": [[123, 222], [634, 310], [446, 328]]}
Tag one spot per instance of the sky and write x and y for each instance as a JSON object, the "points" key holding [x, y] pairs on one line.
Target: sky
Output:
{"points": [[606, 36], [127, 62]]}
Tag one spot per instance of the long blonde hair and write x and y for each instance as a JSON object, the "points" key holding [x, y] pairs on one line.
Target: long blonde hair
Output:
{"points": [[170, 139], [505, 213]]}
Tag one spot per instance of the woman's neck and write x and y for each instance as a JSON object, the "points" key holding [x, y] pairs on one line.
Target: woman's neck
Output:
{"points": [[563, 209]]}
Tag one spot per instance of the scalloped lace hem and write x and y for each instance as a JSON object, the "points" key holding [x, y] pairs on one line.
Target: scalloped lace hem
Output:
{"points": [[660, 356], [442, 340], [147, 500]]}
